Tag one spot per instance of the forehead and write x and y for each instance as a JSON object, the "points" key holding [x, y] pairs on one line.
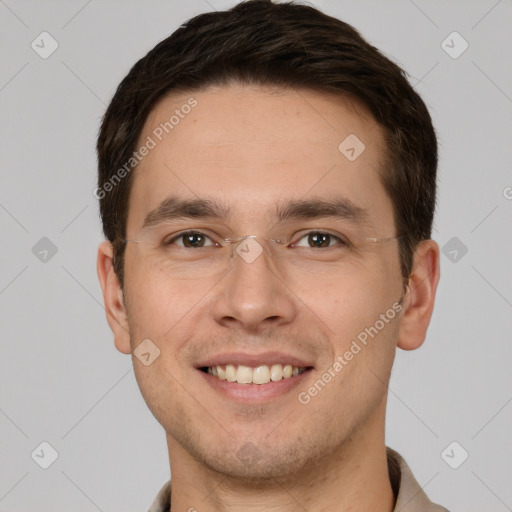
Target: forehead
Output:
{"points": [[253, 147]]}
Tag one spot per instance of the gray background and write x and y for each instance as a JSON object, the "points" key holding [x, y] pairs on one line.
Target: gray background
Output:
{"points": [[61, 379]]}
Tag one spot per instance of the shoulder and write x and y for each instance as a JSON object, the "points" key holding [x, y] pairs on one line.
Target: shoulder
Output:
{"points": [[410, 495], [162, 502]]}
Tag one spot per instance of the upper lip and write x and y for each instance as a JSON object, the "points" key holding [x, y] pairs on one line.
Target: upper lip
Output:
{"points": [[253, 360]]}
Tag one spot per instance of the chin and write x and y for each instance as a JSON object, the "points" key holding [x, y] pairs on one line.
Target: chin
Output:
{"points": [[257, 462]]}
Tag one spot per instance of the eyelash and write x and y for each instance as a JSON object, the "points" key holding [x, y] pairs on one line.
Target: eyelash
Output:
{"points": [[342, 242]]}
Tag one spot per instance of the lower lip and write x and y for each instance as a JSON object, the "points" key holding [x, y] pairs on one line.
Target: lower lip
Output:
{"points": [[254, 393]]}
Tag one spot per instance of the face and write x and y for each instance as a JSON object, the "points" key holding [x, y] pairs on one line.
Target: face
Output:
{"points": [[333, 317]]}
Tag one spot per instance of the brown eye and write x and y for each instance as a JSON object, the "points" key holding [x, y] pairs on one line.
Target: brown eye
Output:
{"points": [[319, 239], [190, 239]]}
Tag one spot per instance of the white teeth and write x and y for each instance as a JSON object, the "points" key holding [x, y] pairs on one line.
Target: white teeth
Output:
{"points": [[243, 374], [276, 372], [230, 373], [259, 375]]}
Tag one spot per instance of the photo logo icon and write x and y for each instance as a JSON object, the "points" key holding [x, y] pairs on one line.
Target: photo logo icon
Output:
{"points": [[44, 45], [44, 455], [454, 455], [454, 45]]}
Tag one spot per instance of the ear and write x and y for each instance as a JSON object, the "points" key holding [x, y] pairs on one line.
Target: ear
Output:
{"points": [[420, 295], [113, 298]]}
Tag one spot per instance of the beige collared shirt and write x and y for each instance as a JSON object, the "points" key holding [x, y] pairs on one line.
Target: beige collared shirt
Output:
{"points": [[409, 495]]}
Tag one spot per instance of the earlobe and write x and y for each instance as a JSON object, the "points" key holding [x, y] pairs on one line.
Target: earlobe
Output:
{"points": [[113, 298], [420, 296]]}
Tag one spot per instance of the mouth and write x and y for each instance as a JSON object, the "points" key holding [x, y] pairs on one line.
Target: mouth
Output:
{"points": [[261, 374], [254, 378]]}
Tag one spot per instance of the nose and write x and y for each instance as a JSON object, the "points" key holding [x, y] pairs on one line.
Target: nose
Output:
{"points": [[253, 295]]}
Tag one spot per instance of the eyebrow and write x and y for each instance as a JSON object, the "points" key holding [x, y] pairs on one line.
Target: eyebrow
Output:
{"points": [[174, 208]]}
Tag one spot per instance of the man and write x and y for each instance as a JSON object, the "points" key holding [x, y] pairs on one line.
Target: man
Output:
{"points": [[267, 184]]}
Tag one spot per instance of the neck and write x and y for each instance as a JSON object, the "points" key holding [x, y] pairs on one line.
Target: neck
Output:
{"points": [[353, 477]]}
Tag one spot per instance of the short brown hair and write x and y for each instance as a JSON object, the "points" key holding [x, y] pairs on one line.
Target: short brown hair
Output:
{"points": [[284, 44]]}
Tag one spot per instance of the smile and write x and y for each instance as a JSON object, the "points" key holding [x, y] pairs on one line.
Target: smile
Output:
{"points": [[261, 374]]}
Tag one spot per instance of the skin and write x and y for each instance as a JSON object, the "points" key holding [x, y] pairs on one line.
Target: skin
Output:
{"points": [[269, 145]]}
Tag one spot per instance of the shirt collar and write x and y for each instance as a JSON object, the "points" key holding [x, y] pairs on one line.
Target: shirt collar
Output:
{"points": [[410, 497]]}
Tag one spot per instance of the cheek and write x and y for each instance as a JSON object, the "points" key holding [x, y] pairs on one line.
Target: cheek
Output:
{"points": [[158, 305], [351, 301], [363, 345], [159, 387]]}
